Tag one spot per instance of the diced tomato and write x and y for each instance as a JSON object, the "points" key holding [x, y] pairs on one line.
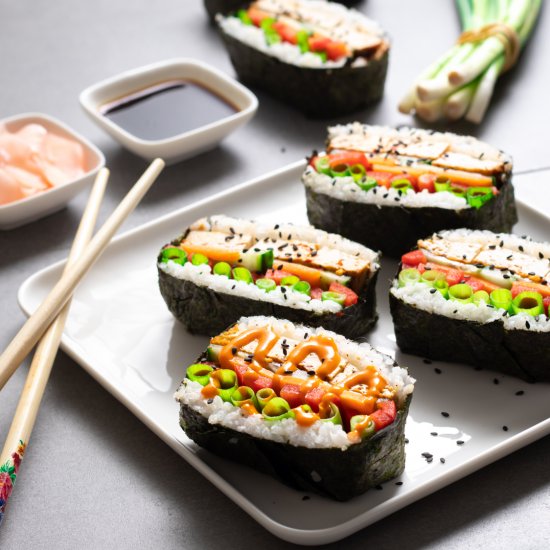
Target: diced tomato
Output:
{"points": [[382, 178], [384, 415], [348, 157], [452, 275], [546, 304], [313, 397], [240, 371], [257, 16], [292, 394], [336, 50], [413, 258], [286, 32], [351, 297], [276, 275], [318, 43], [405, 176], [316, 293], [426, 181], [260, 383]]}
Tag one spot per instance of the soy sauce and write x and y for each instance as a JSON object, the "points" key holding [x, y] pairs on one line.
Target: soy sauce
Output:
{"points": [[167, 109]]}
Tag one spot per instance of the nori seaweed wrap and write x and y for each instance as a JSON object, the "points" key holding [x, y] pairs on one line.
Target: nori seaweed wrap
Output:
{"points": [[386, 187], [224, 268], [320, 57], [213, 7], [476, 297], [305, 405]]}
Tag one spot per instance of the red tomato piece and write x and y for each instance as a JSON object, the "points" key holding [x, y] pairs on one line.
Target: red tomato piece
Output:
{"points": [[476, 284], [261, 382], [546, 304], [316, 293], [292, 394], [336, 50], [240, 371], [351, 297], [452, 275], [313, 398], [318, 43], [286, 32], [413, 258], [382, 178], [384, 415], [426, 181], [348, 157], [277, 275]]}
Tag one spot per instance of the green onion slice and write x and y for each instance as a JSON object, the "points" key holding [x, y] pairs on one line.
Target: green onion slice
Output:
{"points": [[408, 276], [442, 183], [291, 280], [369, 427], [242, 274], [357, 172], [529, 302], [303, 287], [199, 373], [480, 297], [264, 396], [501, 298], [340, 171], [367, 183], [177, 255], [322, 165], [402, 184], [478, 196], [461, 293], [266, 285], [277, 409], [333, 297]]}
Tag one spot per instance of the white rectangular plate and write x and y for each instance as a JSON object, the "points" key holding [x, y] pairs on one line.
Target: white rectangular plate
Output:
{"points": [[121, 332]]}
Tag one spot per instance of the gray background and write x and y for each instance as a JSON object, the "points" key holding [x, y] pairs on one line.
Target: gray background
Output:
{"points": [[96, 477]]}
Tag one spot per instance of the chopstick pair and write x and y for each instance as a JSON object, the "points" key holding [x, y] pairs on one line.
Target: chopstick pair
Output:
{"points": [[47, 322]]}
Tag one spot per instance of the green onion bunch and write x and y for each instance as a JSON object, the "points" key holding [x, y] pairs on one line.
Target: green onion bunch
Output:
{"points": [[461, 82]]}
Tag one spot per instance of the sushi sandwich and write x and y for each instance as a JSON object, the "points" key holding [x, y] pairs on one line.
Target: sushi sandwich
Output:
{"points": [[476, 297], [318, 56], [303, 404], [387, 187], [223, 268]]}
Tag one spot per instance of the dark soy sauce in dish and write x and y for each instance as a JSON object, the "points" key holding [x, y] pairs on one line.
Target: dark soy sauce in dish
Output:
{"points": [[167, 109]]}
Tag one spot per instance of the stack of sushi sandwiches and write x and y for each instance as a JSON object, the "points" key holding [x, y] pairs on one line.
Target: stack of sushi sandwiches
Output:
{"points": [[282, 387], [320, 57]]}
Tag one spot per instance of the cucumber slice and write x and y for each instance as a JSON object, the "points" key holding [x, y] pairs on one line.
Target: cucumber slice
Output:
{"points": [[213, 352], [257, 260], [498, 277], [327, 278]]}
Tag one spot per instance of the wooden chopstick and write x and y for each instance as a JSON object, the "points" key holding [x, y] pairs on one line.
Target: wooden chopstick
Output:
{"points": [[38, 322], [41, 366]]}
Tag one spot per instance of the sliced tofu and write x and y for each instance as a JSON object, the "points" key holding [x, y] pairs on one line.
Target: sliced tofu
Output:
{"points": [[463, 252], [469, 163], [519, 262], [218, 239], [423, 149]]}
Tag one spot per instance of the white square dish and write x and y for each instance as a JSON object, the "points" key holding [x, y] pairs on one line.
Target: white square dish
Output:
{"points": [[44, 203], [185, 144], [121, 332]]}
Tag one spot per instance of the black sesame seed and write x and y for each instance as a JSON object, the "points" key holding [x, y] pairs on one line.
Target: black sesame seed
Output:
{"points": [[234, 351], [506, 276], [430, 460], [385, 195], [433, 290], [276, 226], [306, 497], [437, 370], [306, 336], [520, 248], [426, 361], [311, 373], [541, 255], [460, 442], [427, 455], [233, 287], [210, 401], [496, 381], [445, 414], [492, 246], [505, 428], [501, 244], [435, 434], [232, 230], [406, 440], [520, 392], [442, 460], [527, 325], [399, 483]]}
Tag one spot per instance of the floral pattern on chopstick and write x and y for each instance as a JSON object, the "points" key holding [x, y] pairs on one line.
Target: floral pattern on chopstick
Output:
{"points": [[8, 473]]}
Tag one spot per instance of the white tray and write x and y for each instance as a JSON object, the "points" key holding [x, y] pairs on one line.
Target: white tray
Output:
{"points": [[121, 332]]}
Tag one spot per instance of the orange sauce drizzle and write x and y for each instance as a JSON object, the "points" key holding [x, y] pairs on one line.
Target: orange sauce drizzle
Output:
{"points": [[322, 346], [305, 418], [209, 391]]}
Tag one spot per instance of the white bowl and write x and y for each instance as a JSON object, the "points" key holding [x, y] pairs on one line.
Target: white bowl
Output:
{"points": [[186, 144], [37, 206]]}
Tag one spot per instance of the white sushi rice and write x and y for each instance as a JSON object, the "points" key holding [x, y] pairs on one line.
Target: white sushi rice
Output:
{"points": [[345, 189], [202, 275], [289, 53], [320, 434]]}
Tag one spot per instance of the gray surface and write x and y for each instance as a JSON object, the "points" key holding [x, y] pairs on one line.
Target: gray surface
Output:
{"points": [[93, 475]]}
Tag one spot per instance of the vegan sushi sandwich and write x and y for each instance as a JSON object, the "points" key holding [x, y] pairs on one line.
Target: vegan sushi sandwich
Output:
{"points": [[387, 187], [476, 297], [318, 56], [223, 268], [303, 404]]}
